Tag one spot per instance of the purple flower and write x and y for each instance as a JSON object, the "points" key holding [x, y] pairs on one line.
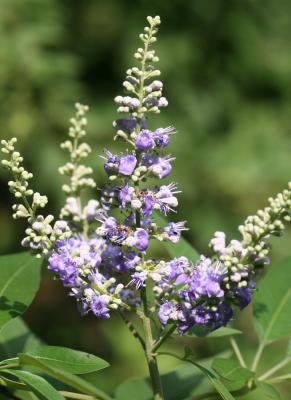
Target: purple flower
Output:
{"points": [[99, 306], [116, 259], [162, 136], [145, 141], [162, 167], [148, 160], [178, 269], [138, 279], [170, 311], [212, 317], [172, 231], [148, 201], [107, 224], [117, 235], [159, 166], [127, 124], [243, 295], [205, 279], [165, 197], [71, 254], [127, 164], [125, 195], [112, 162], [142, 239]]}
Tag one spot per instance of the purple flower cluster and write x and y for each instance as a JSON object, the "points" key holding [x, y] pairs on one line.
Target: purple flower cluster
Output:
{"points": [[147, 200], [79, 264], [198, 295], [72, 257], [148, 140], [112, 268]]}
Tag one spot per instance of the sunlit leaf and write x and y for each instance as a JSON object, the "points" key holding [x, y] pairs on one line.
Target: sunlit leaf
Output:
{"points": [[230, 370], [69, 360], [63, 376], [37, 384], [19, 282], [268, 391], [272, 302], [215, 382], [15, 337]]}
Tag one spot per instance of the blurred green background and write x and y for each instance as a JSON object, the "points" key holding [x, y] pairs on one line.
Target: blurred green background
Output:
{"points": [[226, 67]]}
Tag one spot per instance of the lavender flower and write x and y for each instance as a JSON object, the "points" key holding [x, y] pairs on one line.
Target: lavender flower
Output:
{"points": [[139, 278], [172, 231], [205, 280], [74, 257], [123, 165], [127, 164], [99, 306], [144, 140]]}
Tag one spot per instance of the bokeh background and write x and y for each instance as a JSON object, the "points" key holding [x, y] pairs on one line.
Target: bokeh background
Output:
{"points": [[226, 67]]}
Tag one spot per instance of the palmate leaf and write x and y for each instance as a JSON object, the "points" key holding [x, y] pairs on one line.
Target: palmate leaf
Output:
{"points": [[19, 282], [272, 303], [69, 360]]}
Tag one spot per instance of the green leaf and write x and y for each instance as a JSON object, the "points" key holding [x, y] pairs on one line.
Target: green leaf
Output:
{"points": [[230, 370], [64, 376], [182, 248], [19, 282], [216, 383], [178, 384], [268, 390], [37, 384], [15, 337], [288, 350], [73, 361], [134, 389], [272, 303], [224, 331]]}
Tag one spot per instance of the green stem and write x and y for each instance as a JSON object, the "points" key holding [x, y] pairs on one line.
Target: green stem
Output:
{"points": [[237, 352], [258, 356], [274, 369], [164, 337], [149, 350], [132, 329], [80, 396], [280, 378]]}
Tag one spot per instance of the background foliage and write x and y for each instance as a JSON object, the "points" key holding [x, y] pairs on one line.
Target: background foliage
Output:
{"points": [[227, 73]]}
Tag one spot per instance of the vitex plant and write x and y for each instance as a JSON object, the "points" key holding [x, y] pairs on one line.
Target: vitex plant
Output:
{"points": [[103, 257]]}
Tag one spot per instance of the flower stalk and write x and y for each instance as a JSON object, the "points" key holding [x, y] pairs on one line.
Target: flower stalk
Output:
{"points": [[150, 350]]}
